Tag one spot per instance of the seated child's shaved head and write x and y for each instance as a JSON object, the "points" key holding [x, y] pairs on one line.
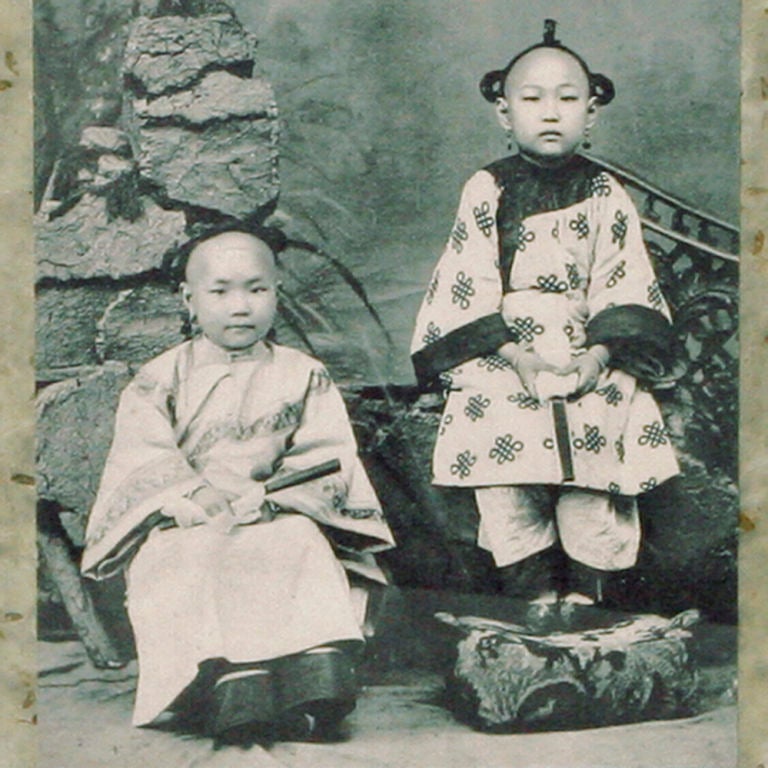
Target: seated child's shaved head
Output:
{"points": [[230, 288], [224, 245]]}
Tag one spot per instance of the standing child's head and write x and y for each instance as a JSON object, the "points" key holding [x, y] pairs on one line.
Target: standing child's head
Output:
{"points": [[546, 98], [230, 288]]}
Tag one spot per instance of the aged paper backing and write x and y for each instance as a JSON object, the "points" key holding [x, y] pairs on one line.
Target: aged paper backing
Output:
{"points": [[17, 536]]}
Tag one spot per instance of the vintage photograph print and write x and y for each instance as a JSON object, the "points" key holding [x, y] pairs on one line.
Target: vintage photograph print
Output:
{"points": [[387, 383]]}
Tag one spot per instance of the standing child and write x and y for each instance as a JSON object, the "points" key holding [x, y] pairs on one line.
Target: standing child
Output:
{"points": [[542, 318], [238, 598]]}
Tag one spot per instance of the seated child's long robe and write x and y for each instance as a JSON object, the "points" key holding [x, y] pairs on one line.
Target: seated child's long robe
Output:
{"points": [[198, 414]]}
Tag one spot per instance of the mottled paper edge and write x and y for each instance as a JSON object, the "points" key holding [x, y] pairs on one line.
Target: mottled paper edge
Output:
{"points": [[17, 512], [753, 434], [18, 729]]}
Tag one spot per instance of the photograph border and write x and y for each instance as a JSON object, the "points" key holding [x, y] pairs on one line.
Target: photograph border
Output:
{"points": [[17, 507]]}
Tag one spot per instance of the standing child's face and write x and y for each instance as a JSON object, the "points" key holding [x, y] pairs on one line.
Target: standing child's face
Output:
{"points": [[547, 106], [231, 289]]}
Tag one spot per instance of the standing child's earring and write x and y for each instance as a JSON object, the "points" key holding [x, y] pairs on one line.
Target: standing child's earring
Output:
{"points": [[510, 141], [587, 144]]}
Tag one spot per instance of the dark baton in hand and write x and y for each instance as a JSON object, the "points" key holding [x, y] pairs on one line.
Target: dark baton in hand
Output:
{"points": [[279, 483]]}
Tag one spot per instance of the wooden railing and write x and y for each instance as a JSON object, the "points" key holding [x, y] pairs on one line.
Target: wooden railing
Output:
{"points": [[696, 259]]}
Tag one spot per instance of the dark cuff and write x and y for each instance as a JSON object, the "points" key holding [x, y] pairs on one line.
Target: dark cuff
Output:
{"points": [[480, 337], [641, 341]]}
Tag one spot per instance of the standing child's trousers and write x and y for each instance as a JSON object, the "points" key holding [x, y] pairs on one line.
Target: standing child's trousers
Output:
{"points": [[595, 528]]}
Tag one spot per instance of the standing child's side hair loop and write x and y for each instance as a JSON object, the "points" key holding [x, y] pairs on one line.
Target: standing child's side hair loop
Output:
{"points": [[492, 85], [600, 86]]}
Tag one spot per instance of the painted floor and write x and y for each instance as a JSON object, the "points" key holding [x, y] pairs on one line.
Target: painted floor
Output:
{"points": [[85, 723]]}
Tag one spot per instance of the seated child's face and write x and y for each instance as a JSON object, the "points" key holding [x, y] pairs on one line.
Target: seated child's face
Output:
{"points": [[231, 289], [548, 106]]}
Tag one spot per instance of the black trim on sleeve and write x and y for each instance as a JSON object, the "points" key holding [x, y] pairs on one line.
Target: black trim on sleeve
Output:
{"points": [[641, 340], [480, 337]]}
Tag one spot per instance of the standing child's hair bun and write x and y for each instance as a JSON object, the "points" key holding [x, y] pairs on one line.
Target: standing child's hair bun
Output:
{"points": [[600, 86]]}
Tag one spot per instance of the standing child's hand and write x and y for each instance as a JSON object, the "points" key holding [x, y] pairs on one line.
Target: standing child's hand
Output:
{"points": [[528, 365], [588, 366]]}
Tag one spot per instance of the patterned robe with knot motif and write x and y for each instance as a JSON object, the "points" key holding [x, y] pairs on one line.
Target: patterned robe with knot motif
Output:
{"points": [[554, 260]]}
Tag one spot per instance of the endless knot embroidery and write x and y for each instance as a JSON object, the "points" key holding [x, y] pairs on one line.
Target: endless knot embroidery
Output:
{"points": [[526, 328], [494, 363], [523, 236], [446, 380], [462, 290], [600, 186], [464, 463], [654, 435], [580, 226], [432, 288], [459, 236], [654, 295], [574, 281], [611, 393], [619, 229], [475, 407], [483, 218], [504, 449], [551, 284], [614, 489], [593, 441], [524, 401], [619, 272], [447, 421], [432, 334], [549, 443], [619, 446], [649, 484]]}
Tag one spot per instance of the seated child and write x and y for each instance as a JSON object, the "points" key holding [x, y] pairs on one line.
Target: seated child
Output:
{"points": [[541, 317], [239, 599]]}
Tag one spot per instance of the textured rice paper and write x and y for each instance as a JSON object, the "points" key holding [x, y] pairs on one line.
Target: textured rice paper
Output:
{"points": [[17, 510], [17, 585], [753, 438]]}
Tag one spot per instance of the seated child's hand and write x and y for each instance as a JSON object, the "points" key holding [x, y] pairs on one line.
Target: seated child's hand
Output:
{"points": [[214, 502], [528, 365], [588, 366], [250, 507], [185, 512]]}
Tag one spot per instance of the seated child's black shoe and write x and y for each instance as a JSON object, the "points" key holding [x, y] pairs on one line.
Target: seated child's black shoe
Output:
{"points": [[325, 673], [315, 721], [315, 691], [242, 706]]}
